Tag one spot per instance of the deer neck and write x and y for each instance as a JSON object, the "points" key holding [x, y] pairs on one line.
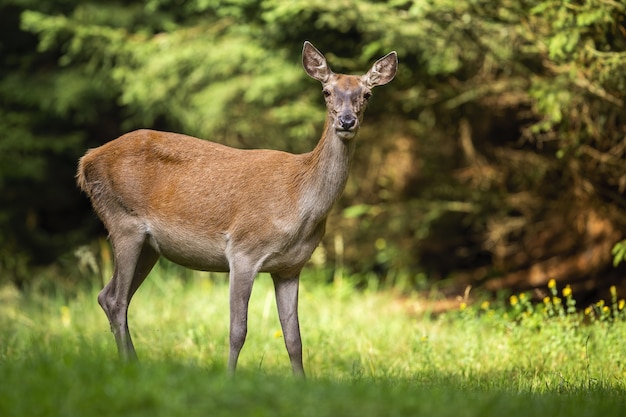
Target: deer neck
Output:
{"points": [[328, 166]]}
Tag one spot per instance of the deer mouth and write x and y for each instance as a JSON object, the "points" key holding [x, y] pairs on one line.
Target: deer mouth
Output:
{"points": [[346, 130], [346, 133]]}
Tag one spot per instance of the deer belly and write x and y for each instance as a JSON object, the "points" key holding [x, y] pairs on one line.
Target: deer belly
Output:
{"points": [[198, 252]]}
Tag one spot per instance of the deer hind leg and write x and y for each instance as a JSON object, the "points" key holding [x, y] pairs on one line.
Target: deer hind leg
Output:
{"points": [[134, 259], [287, 303]]}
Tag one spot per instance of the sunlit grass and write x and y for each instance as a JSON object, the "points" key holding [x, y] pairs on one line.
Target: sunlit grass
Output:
{"points": [[362, 349]]}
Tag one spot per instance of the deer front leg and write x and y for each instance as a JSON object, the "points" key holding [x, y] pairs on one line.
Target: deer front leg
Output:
{"points": [[241, 280], [287, 303]]}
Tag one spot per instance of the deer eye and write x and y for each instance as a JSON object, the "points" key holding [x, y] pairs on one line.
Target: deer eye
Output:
{"points": [[326, 92], [367, 95]]}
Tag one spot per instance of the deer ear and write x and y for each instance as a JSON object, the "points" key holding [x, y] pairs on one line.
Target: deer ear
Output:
{"points": [[314, 63], [382, 71]]}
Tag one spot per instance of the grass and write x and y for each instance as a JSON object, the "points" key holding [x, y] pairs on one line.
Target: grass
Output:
{"points": [[366, 354]]}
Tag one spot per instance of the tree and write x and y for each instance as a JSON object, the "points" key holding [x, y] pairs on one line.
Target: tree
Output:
{"points": [[496, 152]]}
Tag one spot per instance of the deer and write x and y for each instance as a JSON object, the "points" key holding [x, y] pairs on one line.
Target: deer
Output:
{"points": [[210, 207]]}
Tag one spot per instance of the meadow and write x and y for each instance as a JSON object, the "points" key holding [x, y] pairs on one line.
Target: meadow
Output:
{"points": [[367, 353]]}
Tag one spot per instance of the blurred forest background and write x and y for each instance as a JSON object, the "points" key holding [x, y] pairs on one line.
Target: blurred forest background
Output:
{"points": [[495, 159]]}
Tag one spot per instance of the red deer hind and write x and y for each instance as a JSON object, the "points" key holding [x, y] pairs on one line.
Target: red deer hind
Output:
{"points": [[210, 207]]}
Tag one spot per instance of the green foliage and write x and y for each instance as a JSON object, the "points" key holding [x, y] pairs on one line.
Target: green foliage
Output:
{"points": [[562, 332], [619, 252], [499, 109]]}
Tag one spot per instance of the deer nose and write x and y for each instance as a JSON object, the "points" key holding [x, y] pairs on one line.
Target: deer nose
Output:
{"points": [[347, 121]]}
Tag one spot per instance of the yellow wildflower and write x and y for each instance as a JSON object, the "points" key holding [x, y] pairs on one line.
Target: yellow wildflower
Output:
{"points": [[567, 291], [66, 317], [484, 305], [620, 304], [513, 300], [546, 300], [522, 296], [278, 334], [606, 309], [613, 291], [552, 283], [556, 301], [588, 311]]}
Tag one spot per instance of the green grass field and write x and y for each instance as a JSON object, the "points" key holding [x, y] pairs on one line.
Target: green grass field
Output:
{"points": [[366, 354]]}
